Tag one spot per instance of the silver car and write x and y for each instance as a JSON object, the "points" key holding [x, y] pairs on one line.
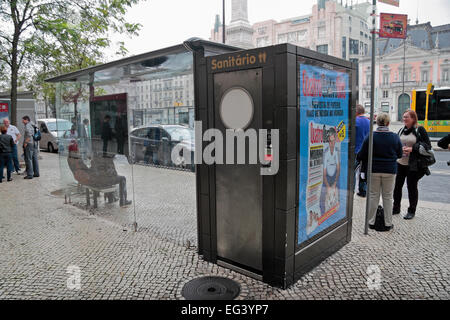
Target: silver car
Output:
{"points": [[153, 144], [51, 132]]}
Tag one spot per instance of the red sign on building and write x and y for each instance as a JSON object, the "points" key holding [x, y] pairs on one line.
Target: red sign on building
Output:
{"points": [[4, 107], [393, 25]]}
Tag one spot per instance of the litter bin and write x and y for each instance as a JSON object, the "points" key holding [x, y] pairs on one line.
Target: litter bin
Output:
{"points": [[276, 227]]}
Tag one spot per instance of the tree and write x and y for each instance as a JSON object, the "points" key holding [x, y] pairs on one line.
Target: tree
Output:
{"points": [[59, 35]]}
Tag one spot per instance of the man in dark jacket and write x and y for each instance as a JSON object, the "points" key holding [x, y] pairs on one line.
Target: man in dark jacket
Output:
{"points": [[106, 133], [6, 148], [444, 143]]}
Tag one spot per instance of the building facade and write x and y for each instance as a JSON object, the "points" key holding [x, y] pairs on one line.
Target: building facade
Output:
{"points": [[332, 28], [405, 65]]}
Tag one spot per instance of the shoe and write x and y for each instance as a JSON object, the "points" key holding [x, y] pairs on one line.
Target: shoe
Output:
{"points": [[28, 177], [395, 211], [36, 176], [362, 195], [9, 179], [387, 228], [18, 172], [127, 202], [371, 226], [409, 216]]}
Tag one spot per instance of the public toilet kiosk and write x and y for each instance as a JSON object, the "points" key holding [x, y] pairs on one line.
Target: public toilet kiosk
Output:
{"points": [[277, 225]]}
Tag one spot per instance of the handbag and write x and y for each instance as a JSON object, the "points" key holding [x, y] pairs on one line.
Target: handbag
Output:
{"points": [[379, 219]]}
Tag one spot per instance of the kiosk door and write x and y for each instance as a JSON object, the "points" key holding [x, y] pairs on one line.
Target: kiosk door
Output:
{"points": [[237, 101]]}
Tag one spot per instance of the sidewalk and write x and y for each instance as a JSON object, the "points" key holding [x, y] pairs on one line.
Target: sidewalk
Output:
{"points": [[40, 237]]}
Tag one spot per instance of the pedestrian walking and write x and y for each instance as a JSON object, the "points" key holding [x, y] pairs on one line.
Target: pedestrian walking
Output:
{"points": [[6, 147], [409, 166], [15, 134], [30, 149], [362, 131], [387, 148]]}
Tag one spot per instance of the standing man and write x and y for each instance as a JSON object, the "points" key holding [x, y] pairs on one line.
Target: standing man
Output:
{"points": [[30, 149], [106, 133], [362, 130], [15, 134], [6, 145]]}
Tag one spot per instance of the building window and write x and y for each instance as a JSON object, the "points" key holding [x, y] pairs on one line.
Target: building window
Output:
{"points": [[354, 46], [262, 30], [323, 49], [424, 76], [282, 38], [368, 79], [445, 75], [344, 48], [322, 31], [385, 94], [368, 95], [385, 78], [261, 42]]}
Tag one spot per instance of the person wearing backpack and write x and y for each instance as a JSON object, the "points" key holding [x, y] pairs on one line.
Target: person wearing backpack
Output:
{"points": [[411, 167], [30, 138], [387, 148]]}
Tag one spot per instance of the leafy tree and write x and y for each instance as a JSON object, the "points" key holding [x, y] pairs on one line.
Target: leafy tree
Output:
{"points": [[56, 36]]}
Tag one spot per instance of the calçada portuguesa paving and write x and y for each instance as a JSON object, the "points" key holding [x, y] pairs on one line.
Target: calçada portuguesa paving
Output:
{"points": [[41, 236]]}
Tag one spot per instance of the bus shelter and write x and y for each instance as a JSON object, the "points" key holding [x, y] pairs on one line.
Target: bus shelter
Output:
{"points": [[117, 124]]}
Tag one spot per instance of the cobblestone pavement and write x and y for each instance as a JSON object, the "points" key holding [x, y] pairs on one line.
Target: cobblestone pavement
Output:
{"points": [[40, 237]]}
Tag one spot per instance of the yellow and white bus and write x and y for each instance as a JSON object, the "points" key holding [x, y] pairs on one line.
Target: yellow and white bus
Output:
{"points": [[433, 109]]}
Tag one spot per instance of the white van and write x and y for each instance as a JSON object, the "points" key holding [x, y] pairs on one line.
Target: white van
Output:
{"points": [[51, 132]]}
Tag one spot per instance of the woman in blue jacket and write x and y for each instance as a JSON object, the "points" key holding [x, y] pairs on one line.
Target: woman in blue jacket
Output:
{"points": [[387, 148]]}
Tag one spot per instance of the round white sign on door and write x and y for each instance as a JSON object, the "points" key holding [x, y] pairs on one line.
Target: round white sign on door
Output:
{"points": [[236, 108]]}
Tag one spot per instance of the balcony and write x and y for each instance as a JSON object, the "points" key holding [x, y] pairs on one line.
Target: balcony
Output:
{"points": [[399, 84]]}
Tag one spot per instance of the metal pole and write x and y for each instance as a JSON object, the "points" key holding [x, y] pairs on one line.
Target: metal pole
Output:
{"points": [[223, 23], [372, 107]]}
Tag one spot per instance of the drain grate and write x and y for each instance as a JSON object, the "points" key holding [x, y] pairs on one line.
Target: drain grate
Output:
{"points": [[211, 288]]}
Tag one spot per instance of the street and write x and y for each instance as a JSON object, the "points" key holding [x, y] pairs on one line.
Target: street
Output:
{"points": [[42, 239]]}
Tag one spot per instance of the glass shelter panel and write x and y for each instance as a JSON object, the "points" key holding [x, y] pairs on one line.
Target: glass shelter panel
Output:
{"points": [[119, 129]]}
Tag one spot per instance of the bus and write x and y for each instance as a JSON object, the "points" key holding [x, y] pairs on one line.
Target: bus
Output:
{"points": [[433, 109]]}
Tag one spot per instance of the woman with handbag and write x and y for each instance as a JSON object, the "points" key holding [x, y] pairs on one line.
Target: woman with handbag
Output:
{"points": [[410, 167]]}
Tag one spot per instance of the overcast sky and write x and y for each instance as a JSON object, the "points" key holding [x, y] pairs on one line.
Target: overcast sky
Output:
{"points": [[170, 22]]}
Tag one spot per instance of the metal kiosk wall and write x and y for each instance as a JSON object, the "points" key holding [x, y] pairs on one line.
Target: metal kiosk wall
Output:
{"points": [[277, 227]]}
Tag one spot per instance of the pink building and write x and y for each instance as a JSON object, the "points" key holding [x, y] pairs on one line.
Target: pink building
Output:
{"points": [[403, 66], [332, 28]]}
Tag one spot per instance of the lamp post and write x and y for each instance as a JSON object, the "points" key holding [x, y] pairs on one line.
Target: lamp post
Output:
{"points": [[372, 107]]}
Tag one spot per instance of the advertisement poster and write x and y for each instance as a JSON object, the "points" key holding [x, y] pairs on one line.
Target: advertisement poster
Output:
{"points": [[4, 111], [393, 25], [324, 143]]}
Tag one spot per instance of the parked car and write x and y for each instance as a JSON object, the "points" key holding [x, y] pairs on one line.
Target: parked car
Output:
{"points": [[153, 144], [51, 132]]}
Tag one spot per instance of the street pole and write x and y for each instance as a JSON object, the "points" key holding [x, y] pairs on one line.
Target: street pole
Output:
{"points": [[223, 17], [372, 107]]}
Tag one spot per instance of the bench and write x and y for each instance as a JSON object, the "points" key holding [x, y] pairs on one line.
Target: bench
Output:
{"points": [[96, 192]]}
